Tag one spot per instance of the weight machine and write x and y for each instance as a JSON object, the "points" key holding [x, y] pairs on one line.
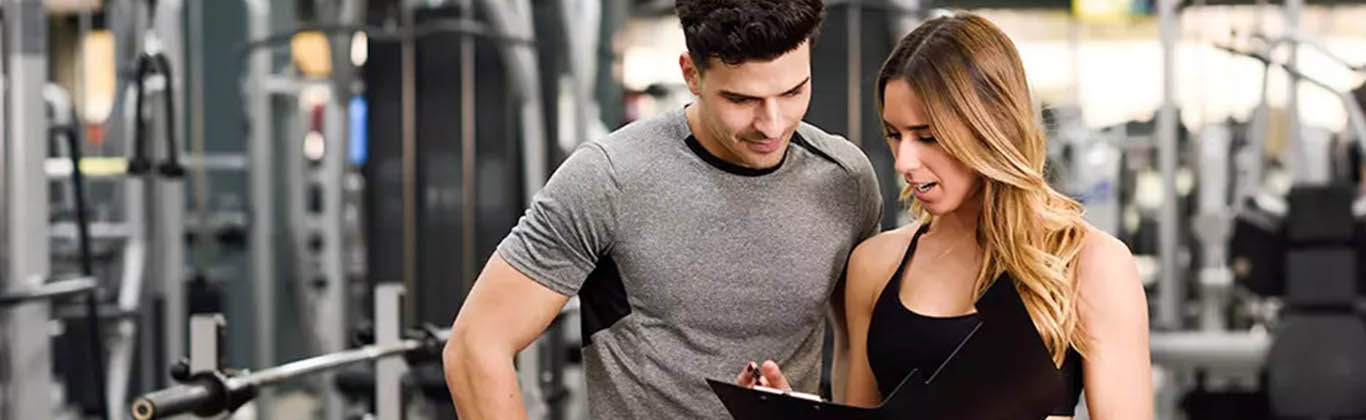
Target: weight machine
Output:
{"points": [[208, 389], [1301, 359]]}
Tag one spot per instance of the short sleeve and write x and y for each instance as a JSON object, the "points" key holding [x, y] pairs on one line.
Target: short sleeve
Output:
{"points": [[568, 225], [870, 200]]}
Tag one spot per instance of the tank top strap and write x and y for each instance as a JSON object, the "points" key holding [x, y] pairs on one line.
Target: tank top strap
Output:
{"points": [[894, 284]]}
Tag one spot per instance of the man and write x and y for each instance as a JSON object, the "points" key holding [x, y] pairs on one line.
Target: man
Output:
{"points": [[696, 240]]}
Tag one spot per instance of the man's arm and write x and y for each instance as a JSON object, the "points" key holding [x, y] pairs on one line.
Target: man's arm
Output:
{"points": [[503, 313], [839, 365], [542, 261], [871, 199]]}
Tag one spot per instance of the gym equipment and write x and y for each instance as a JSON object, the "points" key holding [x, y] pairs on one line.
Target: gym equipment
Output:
{"points": [[65, 126], [315, 278], [1314, 367], [150, 64], [1171, 290], [296, 150], [25, 348], [1301, 249], [1356, 117], [49, 290], [1260, 235], [1293, 361], [207, 389], [1307, 257], [1212, 226], [1257, 247], [1243, 404], [457, 196]]}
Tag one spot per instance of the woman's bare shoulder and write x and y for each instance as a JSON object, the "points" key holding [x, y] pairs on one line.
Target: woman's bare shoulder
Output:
{"points": [[877, 258]]}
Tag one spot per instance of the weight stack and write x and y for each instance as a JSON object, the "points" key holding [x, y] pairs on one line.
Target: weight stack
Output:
{"points": [[1315, 367], [440, 268]]}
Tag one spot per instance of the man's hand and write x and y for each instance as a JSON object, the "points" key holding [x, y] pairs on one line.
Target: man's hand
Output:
{"points": [[767, 374]]}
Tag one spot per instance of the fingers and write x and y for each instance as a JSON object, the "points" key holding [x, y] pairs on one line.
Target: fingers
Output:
{"points": [[743, 379], [773, 376], [748, 375], [768, 374]]}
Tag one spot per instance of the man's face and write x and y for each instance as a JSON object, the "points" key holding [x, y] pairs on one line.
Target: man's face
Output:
{"points": [[749, 111]]}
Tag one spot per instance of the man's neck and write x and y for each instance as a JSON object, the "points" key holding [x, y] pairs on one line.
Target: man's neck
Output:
{"points": [[701, 133]]}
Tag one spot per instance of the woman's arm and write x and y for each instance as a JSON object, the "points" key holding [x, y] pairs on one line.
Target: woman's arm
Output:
{"points": [[870, 266], [1114, 315]]}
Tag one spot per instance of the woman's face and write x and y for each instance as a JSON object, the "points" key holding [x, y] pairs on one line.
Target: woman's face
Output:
{"points": [[939, 182]]}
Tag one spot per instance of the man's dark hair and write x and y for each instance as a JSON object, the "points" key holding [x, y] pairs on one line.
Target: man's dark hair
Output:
{"points": [[736, 31]]}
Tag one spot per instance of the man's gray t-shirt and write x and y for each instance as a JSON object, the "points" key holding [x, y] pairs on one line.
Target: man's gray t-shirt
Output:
{"points": [[688, 266]]}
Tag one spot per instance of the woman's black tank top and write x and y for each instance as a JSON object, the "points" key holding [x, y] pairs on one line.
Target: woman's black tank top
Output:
{"points": [[900, 340]]}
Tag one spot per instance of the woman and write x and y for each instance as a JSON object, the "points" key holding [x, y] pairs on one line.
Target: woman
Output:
{"points": [[958, 117]]}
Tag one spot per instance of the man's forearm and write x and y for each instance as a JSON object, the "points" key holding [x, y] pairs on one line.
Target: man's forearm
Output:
{"points": [[839, 366], [483, 383]]}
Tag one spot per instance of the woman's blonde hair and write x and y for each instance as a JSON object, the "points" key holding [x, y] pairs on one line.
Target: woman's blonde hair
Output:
{"points": [[975, 95]]}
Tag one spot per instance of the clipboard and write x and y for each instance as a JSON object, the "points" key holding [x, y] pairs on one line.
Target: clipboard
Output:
{"points": [[1001, 371], [750, 404]]}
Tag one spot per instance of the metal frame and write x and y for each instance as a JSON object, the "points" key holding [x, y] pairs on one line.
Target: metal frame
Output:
{"points": [[1302, 170], [1241, 351], [1235, 356], [28, 179], [1213, 226], [206, 331], [854, 71], [65, 124], [389, 372], [1171, 284], [52, 289], [327, 263], [26, 346], [131, 290], [330, 178], [147, 199], [4, 189], [323, 312], [199, 179], [59, 101], [468, 144], [1299, 39], [262, 234], [1356, 116], [408, 151], [168, 193]]}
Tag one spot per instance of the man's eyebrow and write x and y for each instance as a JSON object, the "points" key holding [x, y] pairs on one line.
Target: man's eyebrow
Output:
{"points": [[734, 95], [799, 85]]}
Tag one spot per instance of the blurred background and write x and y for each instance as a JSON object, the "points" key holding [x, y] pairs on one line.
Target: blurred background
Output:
{"points": [[196, 191]]}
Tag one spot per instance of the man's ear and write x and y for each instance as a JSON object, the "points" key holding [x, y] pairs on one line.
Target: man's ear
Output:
{"points": [[691, 74]]}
